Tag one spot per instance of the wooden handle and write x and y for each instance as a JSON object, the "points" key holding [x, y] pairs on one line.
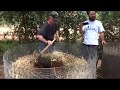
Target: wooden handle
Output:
{"points": [[47, 47]]}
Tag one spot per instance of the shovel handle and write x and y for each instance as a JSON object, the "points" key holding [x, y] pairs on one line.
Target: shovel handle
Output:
{"points": [[47, 47]]}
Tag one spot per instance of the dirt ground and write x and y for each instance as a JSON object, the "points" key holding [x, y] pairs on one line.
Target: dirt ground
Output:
{"points": [[111, 67]]}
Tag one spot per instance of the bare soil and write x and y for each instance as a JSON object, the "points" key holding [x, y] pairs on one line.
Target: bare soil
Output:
{"points": [[110, 67]]}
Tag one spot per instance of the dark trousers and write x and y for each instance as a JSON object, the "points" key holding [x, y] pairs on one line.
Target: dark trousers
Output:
{"points": [[42, 45], [89, 53]]}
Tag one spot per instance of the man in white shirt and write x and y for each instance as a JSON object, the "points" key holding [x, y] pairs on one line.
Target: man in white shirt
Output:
{"points": [[91, 29]]}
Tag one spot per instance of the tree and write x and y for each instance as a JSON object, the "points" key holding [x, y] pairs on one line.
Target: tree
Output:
{"points": [[24, 22]]}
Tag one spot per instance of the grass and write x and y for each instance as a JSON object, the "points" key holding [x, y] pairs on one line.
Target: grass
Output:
{"points": [[8, 44], [5, 45]]}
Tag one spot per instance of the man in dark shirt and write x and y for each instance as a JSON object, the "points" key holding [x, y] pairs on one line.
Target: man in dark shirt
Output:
{"points": [[48, 31]]}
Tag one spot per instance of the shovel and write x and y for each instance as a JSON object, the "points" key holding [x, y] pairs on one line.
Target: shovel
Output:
{"points": [[44, 61], [46, 47]]}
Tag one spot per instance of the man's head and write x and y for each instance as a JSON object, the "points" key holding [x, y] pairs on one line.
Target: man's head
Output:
{"points": [[91, 15], [53, 17]]}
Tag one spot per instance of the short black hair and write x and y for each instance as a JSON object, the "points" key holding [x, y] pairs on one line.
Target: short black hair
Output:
{"points": [[89, 12]]}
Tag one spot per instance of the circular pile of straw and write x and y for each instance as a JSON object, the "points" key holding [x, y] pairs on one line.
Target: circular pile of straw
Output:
{"points": [[73, 67]]}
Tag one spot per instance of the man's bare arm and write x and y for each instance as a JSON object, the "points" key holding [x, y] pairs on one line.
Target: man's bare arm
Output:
{"points": [[102, 37], [41, 38]]}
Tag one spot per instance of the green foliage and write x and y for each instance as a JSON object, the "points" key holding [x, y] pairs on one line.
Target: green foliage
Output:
{"points": [[24, 21], [5, 45], [110, 19], [71, 20]]}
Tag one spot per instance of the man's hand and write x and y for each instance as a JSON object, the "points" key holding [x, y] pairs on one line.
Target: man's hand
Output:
{"points": [[49, 42], [104, 42], [102, 38], [81, 25]]}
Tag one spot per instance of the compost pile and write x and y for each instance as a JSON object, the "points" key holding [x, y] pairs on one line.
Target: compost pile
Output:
{"points": [[72, 68]]}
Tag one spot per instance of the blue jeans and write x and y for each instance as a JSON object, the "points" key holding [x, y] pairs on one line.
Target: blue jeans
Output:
{"points": [[42, 45]]}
